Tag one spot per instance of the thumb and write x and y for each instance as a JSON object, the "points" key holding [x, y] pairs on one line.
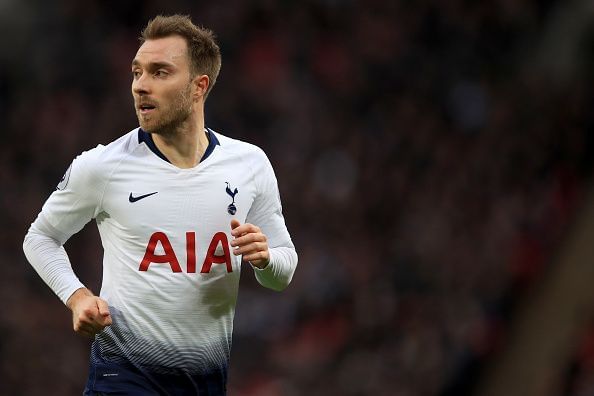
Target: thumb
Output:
{"points": [[105, 316], [103, 307], [234, 224]]}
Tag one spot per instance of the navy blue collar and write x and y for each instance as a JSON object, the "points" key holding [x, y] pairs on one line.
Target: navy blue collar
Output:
{"points": [[147, 138]]}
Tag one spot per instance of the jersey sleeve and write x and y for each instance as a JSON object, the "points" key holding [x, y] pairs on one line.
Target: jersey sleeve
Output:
{"points": [[266, 213], [76, 200], [48, 257]]}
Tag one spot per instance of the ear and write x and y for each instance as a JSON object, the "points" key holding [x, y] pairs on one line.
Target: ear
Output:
{"points": [[201, 84]]}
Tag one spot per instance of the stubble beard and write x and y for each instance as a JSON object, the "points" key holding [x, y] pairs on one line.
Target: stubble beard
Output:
{"points": [[172, 119]]}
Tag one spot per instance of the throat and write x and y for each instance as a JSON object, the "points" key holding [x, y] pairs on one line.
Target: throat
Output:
{"points": [[182, 151]]}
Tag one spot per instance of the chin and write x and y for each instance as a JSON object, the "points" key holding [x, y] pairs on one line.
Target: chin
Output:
{"points": [[146, 126], [152, 129]]}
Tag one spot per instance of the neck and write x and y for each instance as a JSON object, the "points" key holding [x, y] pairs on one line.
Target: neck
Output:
{"points": [[184, 146]]}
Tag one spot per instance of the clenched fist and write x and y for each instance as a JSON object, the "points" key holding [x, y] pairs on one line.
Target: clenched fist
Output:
{"points": [[90, 314]]}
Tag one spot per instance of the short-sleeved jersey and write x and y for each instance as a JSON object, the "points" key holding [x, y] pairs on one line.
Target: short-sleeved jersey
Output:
{"points": [[169, 275]]}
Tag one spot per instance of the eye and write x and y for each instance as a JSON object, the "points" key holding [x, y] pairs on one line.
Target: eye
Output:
{"points": [[136, 74], [161, 73]]}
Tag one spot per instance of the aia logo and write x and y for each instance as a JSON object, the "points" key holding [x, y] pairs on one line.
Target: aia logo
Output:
{"points": [[169, 256]]}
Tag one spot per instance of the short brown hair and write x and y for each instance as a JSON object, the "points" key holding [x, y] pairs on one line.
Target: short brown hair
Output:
{"points": [[203, 51]]}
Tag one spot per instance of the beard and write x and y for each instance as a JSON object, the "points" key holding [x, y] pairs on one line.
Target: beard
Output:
{"points": [[169, 118]]}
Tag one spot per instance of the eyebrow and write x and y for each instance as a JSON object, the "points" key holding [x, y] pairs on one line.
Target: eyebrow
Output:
{"points": [[154, 65]]}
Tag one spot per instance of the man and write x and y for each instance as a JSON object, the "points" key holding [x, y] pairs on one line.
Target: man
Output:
{"points": [[177, 206]]}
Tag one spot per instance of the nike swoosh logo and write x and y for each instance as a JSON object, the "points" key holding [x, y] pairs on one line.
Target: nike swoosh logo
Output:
{"points": [[132, 198]]}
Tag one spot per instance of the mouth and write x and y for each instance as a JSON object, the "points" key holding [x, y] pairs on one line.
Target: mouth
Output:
{"points": [[146, 108]]}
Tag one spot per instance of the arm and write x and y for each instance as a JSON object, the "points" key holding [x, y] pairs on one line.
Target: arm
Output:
{"points": [[43, 248], [90, 314], [274, 267], [264, 240], [65, 212]]}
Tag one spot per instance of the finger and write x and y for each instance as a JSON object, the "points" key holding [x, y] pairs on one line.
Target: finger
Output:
{"points": [[234, 224], [250, 248], [244, 229], [89, 313], [256, 257], [98, 327], [95, 325], [85, 323], [86, 333], [90, 332], [102, 321], [82, 328], [248, 238], [104, 317]]}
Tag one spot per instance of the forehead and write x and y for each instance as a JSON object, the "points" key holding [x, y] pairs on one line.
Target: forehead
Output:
{"points": [[172, 49]]}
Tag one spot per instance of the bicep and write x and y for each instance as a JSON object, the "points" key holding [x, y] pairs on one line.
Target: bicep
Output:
{"points": [[75, 201]]}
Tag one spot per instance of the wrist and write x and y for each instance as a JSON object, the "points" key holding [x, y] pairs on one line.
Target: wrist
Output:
{"points": [[260, 264], [77, 296]]}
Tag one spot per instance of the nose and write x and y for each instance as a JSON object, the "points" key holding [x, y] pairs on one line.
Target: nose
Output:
{"points": [[140, 85]]}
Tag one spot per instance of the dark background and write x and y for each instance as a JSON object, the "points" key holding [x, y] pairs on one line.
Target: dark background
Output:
{"points": [[431, 156]]}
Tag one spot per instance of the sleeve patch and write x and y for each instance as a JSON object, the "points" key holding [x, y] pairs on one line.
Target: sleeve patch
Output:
{"points": [[64, 182]]}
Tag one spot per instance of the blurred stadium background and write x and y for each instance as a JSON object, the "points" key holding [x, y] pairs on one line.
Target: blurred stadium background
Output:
{"points": [[435, 163]]}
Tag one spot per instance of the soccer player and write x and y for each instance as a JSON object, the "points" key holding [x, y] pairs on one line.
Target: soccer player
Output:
{"points": [[178, 206]]}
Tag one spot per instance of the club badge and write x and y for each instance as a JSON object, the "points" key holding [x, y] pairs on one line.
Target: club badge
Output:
{"points": [[231, 209]]}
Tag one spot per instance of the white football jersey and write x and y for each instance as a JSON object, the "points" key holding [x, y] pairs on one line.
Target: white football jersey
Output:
{"points": [[169, 275]]}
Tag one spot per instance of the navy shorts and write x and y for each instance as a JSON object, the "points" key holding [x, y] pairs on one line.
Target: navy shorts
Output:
{"points": [[112, 379]]}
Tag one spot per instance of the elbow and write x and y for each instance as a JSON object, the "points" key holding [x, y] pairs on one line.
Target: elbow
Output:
{"points": [[26, 242], [277, 288], [279, 273], [285, 281], [280, 286], [276, 283], [29, 239], [29, 247], [34, 238]]}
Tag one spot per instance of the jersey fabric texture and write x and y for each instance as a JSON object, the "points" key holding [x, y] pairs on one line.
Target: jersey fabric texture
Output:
{"points": [[169, 275]]}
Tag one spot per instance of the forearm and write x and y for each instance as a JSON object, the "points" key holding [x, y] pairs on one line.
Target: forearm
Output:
{"points": [[49, 259], [278, 273]]}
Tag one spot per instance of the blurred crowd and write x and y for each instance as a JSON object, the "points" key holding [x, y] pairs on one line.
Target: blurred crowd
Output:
{"points": [[427, 171]]}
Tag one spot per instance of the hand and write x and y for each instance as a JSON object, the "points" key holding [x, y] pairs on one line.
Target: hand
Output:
{"points": [[251, 243], [90, 314]]}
